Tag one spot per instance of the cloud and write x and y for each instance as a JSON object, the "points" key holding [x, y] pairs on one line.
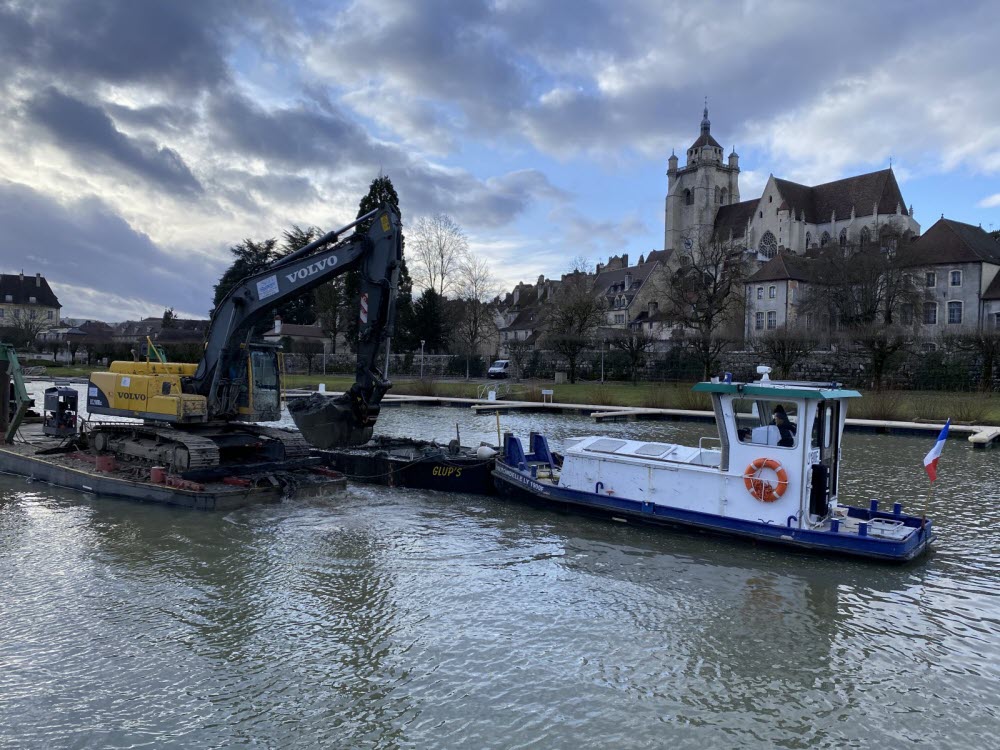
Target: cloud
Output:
{"points": [[88, 132], [169, 44], [990, 201], [86, 245]]}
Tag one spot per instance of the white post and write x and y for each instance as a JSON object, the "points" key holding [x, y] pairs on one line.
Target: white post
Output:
{"points": [[421, 359], [603, 342], [325, 345]]}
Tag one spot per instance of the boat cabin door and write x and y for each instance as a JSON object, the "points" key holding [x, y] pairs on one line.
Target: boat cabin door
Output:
{"points": [[824, 455]]}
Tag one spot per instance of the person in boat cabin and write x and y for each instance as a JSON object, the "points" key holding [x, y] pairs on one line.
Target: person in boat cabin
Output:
{"points": [[785, 427]]}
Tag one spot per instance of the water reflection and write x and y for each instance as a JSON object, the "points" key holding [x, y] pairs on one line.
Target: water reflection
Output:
{"points": [[392, 618]]}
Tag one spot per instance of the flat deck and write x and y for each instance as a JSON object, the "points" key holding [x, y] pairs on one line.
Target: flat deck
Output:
{"points": [[131, 481]]}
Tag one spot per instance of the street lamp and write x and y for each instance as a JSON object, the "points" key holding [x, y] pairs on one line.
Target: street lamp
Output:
{"points": [[603, 344], [421, 359]]}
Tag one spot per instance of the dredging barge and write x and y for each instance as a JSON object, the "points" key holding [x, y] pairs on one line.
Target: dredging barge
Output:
{"points": [[771, 475]]}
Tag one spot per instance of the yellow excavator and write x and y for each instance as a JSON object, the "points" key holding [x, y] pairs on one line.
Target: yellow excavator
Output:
{"points": [[196, 416]]}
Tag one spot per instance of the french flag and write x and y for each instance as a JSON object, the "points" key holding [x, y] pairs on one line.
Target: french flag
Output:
{"points": [[931, 459]]}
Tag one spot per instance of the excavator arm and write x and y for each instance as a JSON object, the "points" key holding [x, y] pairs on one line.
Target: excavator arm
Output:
{"points": [[378, 255]]}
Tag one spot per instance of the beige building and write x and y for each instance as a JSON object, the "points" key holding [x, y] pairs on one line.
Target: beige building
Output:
{"points": [[28, 297]]}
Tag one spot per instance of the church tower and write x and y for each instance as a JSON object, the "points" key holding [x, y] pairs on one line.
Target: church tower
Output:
{"points": [[695, 192]]}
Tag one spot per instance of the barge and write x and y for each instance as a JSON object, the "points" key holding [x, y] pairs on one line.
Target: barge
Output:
{"points": [[417, 464], [772, 474], [68, 464]]}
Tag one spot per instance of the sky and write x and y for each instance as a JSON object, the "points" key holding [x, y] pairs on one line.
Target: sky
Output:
{"points": [[142, 139]]}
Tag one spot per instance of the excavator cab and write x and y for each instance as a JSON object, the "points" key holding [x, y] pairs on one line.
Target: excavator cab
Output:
{"points": [[251, 388]]}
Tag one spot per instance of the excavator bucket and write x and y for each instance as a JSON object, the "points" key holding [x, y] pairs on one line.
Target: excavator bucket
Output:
{"points": [[332, 421]]}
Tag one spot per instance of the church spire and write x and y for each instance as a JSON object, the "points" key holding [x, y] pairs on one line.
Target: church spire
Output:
{"points": [[706, 124]]}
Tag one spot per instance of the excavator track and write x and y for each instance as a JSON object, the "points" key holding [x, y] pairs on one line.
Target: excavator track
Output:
{"points": [[179, 449], [294, 444]]}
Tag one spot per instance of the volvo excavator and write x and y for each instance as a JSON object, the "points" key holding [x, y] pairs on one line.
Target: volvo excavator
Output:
{"points": [[196, 416]]}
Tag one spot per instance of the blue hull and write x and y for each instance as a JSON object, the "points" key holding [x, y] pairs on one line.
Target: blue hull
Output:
{"points": [[519, 484]]}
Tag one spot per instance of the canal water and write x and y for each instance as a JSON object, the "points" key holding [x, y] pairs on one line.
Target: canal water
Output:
{"points": [[390, 618]]}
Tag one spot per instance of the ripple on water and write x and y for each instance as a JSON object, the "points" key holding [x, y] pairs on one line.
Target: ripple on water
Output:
{"points": [[389, 618]]}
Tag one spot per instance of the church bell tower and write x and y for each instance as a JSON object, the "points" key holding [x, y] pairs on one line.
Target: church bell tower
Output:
{"points": [[697, 191]]}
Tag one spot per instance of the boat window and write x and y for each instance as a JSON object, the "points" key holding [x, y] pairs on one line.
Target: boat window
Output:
{"points": [[764, 422], [828, 427]]}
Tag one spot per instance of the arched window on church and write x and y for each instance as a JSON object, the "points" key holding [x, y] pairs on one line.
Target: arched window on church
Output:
{"points": [[866, 236], [843, 237], [723, 195], [809, 239], [768, 246], [688, 198], [824, 240]]}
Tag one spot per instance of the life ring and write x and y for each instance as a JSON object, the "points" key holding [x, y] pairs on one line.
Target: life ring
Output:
{"points": [[761, 488]]}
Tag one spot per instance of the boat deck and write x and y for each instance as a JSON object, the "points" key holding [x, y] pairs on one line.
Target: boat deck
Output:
{"points": [[77, 470]]}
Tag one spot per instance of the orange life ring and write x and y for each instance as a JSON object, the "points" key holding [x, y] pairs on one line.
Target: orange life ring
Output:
{"points": [[761, 488]]}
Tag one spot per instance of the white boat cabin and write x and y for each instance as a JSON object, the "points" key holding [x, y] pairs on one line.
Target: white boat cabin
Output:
{"points": [[776, 458]]}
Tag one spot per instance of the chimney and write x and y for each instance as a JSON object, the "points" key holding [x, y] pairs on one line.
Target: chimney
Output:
{"points": [[22, 275], [277, 324], [628, 280], [38, 280]]}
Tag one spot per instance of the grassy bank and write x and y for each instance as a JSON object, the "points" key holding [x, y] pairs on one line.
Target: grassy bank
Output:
{"points": [[977, 408]]}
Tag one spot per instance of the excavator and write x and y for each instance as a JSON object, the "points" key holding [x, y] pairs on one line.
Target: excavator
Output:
{"points": [[198, 416]]}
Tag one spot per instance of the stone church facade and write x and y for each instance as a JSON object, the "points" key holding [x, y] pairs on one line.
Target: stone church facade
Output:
{"points": [[703, 205]]}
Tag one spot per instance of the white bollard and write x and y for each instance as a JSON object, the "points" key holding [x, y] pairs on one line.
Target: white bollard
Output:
{"points": [[322, 387]]}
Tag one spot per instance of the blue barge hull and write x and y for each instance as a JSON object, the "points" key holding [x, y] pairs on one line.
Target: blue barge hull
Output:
{"points": [[519, 484]]}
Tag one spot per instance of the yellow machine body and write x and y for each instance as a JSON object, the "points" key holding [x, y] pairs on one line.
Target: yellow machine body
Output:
{"points": [[145, 390]]}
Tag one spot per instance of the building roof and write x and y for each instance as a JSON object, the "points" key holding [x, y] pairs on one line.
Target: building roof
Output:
{"points": [[22, 288], [527, 320], [861, 192], [705, 139], [993, 290], [605, 281], [297, 331], [731, 220], [951, 241], [784, 267]]}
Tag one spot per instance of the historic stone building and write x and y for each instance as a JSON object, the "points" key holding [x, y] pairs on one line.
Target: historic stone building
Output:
{"points": [[703, 205]]}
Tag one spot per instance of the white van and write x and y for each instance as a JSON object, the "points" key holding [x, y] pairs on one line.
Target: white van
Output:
{"points": [[499, 369]]}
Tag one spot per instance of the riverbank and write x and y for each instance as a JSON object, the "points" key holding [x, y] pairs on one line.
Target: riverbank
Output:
{"points": [[908, 406]]}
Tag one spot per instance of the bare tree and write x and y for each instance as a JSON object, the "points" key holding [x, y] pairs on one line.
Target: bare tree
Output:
{"points": [[476, 288], [701, 292], [332, 308], [439, 246], [784, 348], [518, 353], [985, 344], [635, 344], [22, 332], [573, 316], [868, 294]]}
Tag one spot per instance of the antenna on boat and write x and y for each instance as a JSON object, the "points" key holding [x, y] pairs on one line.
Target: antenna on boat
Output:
{"points": [[764, 371]]}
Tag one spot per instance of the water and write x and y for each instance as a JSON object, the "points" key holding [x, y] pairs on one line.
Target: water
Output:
{"points": [[382, 618]]}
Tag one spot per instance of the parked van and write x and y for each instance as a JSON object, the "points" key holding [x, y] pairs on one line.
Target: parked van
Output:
{"points": [[499, 369]]}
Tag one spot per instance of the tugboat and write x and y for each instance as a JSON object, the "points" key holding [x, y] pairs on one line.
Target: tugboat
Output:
{"points": [[771, 475]]}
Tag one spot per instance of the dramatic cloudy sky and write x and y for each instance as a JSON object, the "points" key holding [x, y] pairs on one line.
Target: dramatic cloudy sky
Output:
{"points": [[141, 139]]}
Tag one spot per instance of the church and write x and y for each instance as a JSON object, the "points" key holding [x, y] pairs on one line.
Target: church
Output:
{"points": [[703, 205]]}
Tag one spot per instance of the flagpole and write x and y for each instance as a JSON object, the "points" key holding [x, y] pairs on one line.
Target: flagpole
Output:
{"points": [[927, 502]]}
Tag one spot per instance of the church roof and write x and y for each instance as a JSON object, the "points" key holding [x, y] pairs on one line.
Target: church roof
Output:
{"points": [[862, 192], [733, 219], [784, 267], [951, 241], [705, 139]]}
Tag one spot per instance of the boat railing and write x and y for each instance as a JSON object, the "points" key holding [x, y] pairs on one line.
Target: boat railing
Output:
{"points": [[701, 443]]}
